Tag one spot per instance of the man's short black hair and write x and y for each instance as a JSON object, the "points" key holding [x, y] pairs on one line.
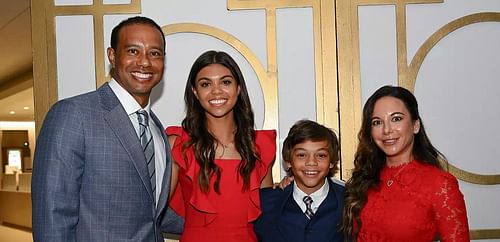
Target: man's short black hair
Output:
{"points": [[131, 21]]}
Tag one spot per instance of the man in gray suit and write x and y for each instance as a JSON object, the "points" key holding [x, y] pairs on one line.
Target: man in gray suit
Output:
{"points": [[94, 179]]}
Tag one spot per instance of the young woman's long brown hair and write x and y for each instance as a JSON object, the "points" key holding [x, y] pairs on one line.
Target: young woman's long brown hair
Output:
{"points": [[369, 159], [195, 124]]}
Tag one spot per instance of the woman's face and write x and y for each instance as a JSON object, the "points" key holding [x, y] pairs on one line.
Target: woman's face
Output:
{"points": [[217, 90], [393, 129]]}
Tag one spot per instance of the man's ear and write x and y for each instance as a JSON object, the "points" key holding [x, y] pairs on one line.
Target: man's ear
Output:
{"points": [[111, 56]]}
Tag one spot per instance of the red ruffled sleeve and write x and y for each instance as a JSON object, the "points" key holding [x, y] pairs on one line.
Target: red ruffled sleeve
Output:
{"points": [[188, 166], [176, 201], [265, 141]]}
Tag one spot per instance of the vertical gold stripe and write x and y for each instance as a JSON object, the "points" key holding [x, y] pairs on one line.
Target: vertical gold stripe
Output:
{"points": [[328, 54], [42, 84], [271, 120], [271, 40], [100, 73], [318, 65], [401, 43], [51, 56], [349, 82], [271, 107]]}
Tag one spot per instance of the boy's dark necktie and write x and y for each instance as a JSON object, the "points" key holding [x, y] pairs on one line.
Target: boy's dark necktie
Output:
{"points": [[308, 201]]}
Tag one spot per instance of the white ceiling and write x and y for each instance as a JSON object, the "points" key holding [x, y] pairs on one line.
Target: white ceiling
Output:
{"points": [[15, 59]]}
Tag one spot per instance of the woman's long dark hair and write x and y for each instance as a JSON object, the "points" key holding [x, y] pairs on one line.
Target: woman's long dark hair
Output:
{"points": [[202, 141], [369, 159]]}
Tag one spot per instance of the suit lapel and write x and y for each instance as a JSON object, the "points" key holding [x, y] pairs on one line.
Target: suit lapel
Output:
{"points": [[289, 212], [120, 123], [329, 204]]}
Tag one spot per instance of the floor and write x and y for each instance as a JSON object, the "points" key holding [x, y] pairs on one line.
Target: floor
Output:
{"points": [[9, 234], [14, 235]]}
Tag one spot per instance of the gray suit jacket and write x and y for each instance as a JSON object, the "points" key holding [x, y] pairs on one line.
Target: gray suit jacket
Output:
{"points": [[90, 178]]}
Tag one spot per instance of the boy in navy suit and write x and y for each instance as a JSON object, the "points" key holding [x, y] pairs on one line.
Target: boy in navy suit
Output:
{"points": [[310, 208]]}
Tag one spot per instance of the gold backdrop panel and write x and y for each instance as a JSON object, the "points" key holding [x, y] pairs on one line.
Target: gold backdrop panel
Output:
{"points": [[414, 68]]}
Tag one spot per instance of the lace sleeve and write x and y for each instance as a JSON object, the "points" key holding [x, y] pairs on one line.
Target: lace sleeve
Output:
{"points": [[450, 212]]}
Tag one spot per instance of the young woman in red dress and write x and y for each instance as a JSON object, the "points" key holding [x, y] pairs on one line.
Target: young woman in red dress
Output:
{"points": [[398, 190], [221, 161]]}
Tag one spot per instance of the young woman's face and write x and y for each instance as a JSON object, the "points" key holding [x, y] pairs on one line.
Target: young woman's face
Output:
{"points": [[393, 129], [217, 90]]}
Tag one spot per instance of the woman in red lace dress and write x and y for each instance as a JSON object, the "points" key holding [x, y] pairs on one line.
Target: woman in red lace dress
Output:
{"points": [[221, 162], [398, 191]]}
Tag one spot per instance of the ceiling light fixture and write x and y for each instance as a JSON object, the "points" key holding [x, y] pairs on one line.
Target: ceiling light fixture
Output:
{"points": [[26, 108], [12, 112]]}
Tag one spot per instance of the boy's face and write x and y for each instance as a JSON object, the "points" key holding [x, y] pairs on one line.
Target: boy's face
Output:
{"points": [[310, 164]]}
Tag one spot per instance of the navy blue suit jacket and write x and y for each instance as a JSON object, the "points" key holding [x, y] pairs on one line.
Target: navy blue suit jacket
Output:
{"points": [[282, 220]]}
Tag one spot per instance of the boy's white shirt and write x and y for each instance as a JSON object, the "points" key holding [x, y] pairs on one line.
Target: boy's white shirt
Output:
{"points": [[318, 196]]}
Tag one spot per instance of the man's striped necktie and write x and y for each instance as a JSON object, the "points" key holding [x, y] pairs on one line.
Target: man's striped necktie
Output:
{"points": [[148, 146]]}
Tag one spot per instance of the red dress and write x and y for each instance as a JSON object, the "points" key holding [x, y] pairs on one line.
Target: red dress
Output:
{"points": [[210, 217], [421, 203]]}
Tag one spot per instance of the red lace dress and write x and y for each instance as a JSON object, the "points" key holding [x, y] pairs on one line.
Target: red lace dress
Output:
{"points": [[422, 202], [226, 217]]}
